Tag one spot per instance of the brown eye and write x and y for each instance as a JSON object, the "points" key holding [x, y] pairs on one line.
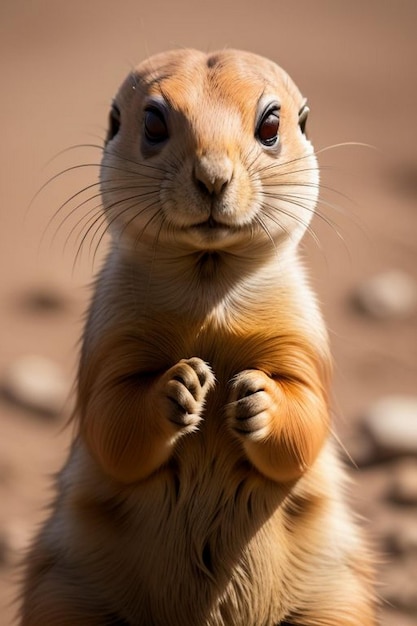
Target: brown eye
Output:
{"points": [[155, 126], [267, 131]]}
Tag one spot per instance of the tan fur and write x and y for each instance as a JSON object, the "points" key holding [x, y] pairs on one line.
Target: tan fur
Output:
{"points": [[203, 488]]}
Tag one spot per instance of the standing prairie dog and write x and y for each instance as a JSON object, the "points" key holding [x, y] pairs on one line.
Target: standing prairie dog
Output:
{"points": [[203, 488]]}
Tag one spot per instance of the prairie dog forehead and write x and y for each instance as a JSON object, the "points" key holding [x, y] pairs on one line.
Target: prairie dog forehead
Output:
{"points": [[190, 80]]}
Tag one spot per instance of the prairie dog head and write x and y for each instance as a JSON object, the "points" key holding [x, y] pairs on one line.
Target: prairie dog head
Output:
{"points": [[208, 152]]}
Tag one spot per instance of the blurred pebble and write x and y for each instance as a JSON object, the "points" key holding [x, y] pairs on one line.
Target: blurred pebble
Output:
{"points": [[360, 449], [391, 617], [391, 422], [14, 541], [403, 541], [44, 299], [389, 295], [402, 488], [404, 178], [36, 383], [400, 587]]}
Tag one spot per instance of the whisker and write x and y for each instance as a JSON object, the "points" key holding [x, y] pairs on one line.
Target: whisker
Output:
{"points": [[64, 204], [279, 165], [154, 250], [346, 144], [271, 215], [125, 226], [155, 216], [96, 211], [100, 219], [68, 149], [79, 166], [296, 218], [290, 198], [109, 150], [250, 164], [55, 177], [99, 241], [309, 229], [343, 448], [279, 174], [101, 226], [141, 164], [89, 199], [263, 226], [134, 173], [104, 221], [319, 185]]}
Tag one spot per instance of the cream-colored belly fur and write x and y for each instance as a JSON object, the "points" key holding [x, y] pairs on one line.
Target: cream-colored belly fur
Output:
{"points": [[211, 547]]}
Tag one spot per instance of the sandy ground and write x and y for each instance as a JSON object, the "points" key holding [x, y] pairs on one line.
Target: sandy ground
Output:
{"points": [[60, 63]]}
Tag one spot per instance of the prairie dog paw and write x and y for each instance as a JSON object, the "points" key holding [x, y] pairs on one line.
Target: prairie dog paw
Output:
{"points": [[252, 403], [184, 388]]}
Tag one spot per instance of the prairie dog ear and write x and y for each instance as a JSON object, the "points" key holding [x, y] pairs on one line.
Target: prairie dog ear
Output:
{"points": [[303, 115], [114, 123]]}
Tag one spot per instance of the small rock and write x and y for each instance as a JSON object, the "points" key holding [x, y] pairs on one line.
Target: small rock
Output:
{"points": [[389, 295], [400, 589], [36, 383], [14, 542], [360, 449], [403, 484], [44, 299], [391, 617], [404, 178], [403, 541], [391, 422]]}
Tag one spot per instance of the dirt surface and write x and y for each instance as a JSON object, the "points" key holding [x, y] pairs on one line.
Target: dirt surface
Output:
{"points": [[60, 64]]}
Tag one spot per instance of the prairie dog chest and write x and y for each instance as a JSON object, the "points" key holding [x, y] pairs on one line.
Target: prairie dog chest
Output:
{"points": [[231, 320]]}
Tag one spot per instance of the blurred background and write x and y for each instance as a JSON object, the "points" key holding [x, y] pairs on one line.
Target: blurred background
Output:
{"points": [[60, 64]]}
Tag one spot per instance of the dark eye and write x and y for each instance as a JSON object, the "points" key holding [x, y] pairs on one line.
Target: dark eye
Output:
{"points": [[268, 127], [302, 117], [114, 123], [155, 126]]}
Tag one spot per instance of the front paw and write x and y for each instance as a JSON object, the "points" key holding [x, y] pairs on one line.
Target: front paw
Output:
{"points": [[252, 404], [281, 423], [183, 389]]}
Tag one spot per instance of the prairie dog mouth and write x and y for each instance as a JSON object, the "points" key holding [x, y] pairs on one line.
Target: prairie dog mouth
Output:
{"points": [[212, 232], [212, 224]]}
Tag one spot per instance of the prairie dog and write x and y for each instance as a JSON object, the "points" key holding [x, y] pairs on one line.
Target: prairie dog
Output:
{"points": [[203, 488]]}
